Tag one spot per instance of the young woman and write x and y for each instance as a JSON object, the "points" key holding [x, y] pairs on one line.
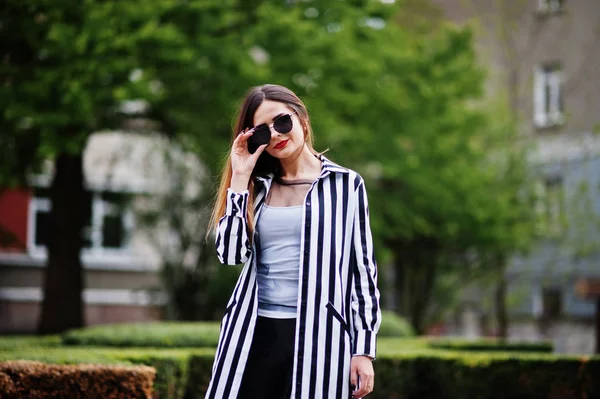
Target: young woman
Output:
{"points": [[303, 317]]}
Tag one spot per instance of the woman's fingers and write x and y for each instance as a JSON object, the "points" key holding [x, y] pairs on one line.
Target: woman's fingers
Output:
{"points": [[366, 386], [258, 151], [242, 138], [354, 378], [362, 370]]}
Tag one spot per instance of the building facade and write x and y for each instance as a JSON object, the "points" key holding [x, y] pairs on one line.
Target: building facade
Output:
{"points": [[543, 58], [120, 262]]}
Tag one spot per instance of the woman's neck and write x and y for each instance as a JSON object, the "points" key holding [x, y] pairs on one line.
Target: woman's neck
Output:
{"points": [[305, 165]]}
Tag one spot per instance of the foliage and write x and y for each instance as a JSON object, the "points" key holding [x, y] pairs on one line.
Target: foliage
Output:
{"points": [[394, 103], [26, 341], [394, 326], [39, 380], [172, 371], [405, 367], [483, 345], [163, 334], [460, 375]]}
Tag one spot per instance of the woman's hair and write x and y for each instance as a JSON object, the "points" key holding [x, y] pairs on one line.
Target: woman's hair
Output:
{"points": [[265, 163]]}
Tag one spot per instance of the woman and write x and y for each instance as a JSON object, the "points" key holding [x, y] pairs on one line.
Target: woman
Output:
{"points": [[303, 317]]}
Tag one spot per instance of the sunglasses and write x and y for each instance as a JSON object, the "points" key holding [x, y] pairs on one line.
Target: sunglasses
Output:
{"points": [[262, 133]]}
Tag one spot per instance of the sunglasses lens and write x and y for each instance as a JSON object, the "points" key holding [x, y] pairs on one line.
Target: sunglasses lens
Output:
{"points": [[261, 135], [283, 124]]}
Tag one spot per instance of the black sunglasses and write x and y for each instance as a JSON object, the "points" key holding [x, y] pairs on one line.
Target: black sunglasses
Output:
{"points": [[262, 133]]}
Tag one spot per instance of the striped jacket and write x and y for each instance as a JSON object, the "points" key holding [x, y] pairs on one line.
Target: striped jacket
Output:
{"points": [[338, 299]]}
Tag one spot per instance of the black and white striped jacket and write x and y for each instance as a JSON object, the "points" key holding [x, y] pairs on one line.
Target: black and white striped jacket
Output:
{"points": [[338, 300]]}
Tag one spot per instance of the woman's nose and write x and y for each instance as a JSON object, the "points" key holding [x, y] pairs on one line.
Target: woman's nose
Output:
{"points": [[274, 133]]}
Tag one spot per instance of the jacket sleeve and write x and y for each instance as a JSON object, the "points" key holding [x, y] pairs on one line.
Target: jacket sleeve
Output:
{"points": [[232, 243], [365, 295]]}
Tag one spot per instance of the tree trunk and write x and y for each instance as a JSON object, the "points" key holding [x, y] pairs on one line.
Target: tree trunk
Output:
{"points": [[500, 301], [62, 306], [597, 326], [415, 273]]}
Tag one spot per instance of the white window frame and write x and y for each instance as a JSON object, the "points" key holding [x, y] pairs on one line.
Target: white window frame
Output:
{"points": [[100, 208], [551, 78], [550, 6]]}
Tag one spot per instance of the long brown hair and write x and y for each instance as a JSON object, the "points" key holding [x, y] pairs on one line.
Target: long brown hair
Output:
{"points": [[265, 163]]}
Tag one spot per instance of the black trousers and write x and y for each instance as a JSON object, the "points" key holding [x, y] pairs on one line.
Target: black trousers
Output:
{"points": [[268, 372]]}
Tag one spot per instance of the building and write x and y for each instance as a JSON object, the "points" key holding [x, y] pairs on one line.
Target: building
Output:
{"points": [[543, 58], [120, 262]]}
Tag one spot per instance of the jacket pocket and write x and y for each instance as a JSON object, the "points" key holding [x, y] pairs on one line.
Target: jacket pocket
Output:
{"points": [[338, 316], [229, 307]]}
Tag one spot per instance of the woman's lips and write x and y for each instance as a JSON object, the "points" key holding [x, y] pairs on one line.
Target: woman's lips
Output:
{"points": [[281, 144]]}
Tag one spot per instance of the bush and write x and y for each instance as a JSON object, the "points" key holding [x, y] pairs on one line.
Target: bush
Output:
{"points": [[159, 334], [12, 342], [200, 373], [454, 375], [491, 345], [38, 380], [395, 326], [7, 387], [407, 368], [172, 366], [61, 355]]}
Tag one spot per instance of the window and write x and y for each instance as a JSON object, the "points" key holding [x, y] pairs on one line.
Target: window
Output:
{"points": [[550, 207], [548, 95], [108, 223], [550, 5], [551, 303]]}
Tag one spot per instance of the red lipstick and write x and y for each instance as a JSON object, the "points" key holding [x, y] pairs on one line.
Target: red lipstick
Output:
{"points": [[281, 144]]}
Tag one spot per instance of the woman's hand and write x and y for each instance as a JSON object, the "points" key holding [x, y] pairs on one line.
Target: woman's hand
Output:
{"points": [[242, 162], [361, 369]]}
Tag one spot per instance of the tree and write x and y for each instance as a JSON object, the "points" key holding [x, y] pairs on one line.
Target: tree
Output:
{"points": [[443, 188], [391, 102], [71, 70], [68, 70]]}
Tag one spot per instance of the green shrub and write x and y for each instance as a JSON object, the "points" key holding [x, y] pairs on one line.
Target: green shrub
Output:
{"points": [[391, 346], [200, 372], [393, 325], [172, 367], [406, 368], [159, 334], [12, 342], [62, 355], [455, 375], [491, 345]]}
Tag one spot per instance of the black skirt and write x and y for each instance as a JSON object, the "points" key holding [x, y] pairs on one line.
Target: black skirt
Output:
{"points": [[268, 372]]}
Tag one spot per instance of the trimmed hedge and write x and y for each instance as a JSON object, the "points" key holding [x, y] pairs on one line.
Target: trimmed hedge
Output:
{"points": [[173, 368], [62, 355], [38, 380], [159, 334], [12, 342], [7, 387], [172, 365], [393, 325], [453, 375], [491, 345], [405, 369], [437, 374]]}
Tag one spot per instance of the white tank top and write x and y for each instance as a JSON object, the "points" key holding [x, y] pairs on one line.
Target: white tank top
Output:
{"points": [[278, 243]]}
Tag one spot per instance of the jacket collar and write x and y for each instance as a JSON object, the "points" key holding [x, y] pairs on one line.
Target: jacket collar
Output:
{"points": [[327, 166]]}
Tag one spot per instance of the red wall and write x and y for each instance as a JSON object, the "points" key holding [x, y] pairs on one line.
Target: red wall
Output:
{"points": [[14, 205]]}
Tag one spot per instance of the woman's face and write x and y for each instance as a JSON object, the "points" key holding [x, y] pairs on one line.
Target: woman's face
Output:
{"points": [[282, 145]]}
